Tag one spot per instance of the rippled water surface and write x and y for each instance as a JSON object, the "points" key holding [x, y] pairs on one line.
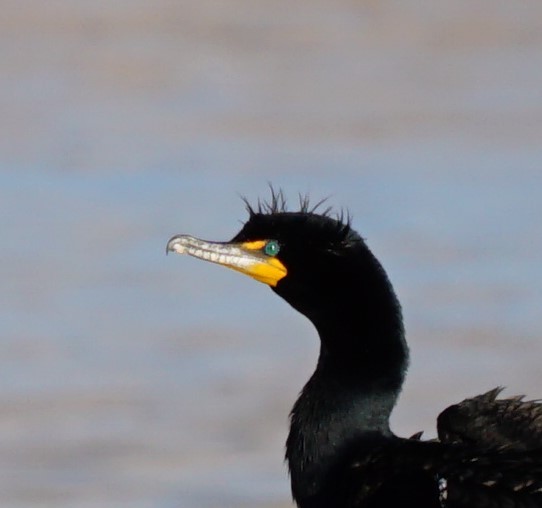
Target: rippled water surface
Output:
{"points": [[132, 379]]}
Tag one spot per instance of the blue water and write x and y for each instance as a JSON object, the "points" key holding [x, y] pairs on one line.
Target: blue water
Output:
{"points": [[128, 378]]}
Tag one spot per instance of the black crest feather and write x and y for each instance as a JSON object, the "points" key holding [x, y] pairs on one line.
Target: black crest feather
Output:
{"points": [[277, 203]]}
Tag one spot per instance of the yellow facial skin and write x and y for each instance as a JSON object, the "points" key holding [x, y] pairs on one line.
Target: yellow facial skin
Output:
{"points": [[245, 257]]}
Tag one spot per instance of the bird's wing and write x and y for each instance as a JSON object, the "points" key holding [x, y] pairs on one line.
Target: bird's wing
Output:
{"points": [[493, 479], [430, 474], [487, 422]]}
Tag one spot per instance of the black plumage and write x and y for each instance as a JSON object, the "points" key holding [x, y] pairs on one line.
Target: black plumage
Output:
{"points": [[340, 450]]}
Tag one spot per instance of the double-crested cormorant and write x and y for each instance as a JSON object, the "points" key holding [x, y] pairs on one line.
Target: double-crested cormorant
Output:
{"points": [[340, 450]]}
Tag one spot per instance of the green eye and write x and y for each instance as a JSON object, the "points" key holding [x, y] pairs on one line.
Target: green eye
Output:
{"points": [[271, 248]]}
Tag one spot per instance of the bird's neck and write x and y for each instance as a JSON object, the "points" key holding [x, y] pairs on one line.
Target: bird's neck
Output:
{"points": [[334, 413], [350, 396]]}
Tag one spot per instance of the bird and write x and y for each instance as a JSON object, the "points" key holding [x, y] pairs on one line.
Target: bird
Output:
{"points": [[340, 450]]}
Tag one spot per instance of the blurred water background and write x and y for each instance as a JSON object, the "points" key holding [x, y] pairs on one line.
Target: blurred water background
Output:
{"points": [[132, 379]]}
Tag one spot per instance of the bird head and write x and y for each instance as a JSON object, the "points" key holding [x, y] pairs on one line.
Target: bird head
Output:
{"points": [[289, 251], [315, 261]]}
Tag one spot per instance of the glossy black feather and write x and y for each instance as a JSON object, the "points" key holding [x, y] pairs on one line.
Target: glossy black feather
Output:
{"points": [[488, 422]]}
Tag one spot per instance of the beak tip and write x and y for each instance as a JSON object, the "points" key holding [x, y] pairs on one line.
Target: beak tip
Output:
{"points": [[175, 244], [170, 245]]}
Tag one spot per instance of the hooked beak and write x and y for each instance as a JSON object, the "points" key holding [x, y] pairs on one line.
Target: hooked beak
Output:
{"points": [[244, 257]]}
